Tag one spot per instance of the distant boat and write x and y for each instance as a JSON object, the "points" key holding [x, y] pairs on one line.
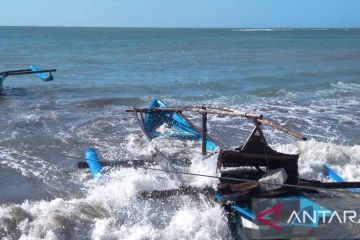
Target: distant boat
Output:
{"points": [[31, 70]]}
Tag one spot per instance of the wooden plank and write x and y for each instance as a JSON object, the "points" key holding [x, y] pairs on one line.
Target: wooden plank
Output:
{"points": [[238, 187], [332, 185]]}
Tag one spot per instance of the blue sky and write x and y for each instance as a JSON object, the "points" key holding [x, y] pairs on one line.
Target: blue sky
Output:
{"points": [[182, 13]]}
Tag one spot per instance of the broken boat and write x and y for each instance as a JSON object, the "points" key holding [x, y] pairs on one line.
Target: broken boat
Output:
{"points": [[251, 171]]}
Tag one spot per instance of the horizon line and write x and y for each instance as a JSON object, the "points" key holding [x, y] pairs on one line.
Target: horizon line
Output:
{"points": [[259, 28]]}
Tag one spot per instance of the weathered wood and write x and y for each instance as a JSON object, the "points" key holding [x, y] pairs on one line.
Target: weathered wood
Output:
{"points": [[204, 134], [183, 190], [25, 71], [125, 164], [238, 187], [200, 110], [282, 129], [243, 148], [223, 112], [331, 185], [256, 159]]}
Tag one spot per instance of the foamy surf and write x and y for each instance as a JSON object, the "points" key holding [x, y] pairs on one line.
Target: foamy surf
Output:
{"points": [[112, 209]]}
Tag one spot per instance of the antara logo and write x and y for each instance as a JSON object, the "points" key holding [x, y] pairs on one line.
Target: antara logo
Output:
{"points": [[348, 216], [309, 215], [275, 209]]}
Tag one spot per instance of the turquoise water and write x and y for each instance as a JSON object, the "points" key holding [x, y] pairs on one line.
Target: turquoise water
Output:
{"points": [[308, 80]]}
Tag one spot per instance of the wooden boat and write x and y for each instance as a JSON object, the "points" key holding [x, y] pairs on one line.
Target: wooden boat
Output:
{"points": [[253, 170], [31, 70]]}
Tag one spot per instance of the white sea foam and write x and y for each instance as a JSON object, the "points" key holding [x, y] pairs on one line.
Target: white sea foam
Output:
{"points": [[345, 160], [206, 167], [196, 223], [112, 210]]}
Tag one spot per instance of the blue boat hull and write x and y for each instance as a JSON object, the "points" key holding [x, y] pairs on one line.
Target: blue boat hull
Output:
{"points": [[181, 127], [330, 173], [42, 76]]}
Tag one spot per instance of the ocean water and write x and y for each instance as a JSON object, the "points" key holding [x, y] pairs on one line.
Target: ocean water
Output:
{"points": [[306, 79]]}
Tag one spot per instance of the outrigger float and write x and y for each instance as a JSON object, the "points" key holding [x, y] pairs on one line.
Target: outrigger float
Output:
{"points": [[31, 70], [253, 170]]}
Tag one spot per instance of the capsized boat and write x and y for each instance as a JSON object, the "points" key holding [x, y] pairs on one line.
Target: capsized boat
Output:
{"points": [[252, 171], [31, 70]]}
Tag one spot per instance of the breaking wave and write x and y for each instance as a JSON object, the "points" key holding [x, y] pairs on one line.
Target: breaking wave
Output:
{"points": [[112, 208]]}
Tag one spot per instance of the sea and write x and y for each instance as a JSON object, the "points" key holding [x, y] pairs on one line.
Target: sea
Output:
{"points": [[307, 80]]}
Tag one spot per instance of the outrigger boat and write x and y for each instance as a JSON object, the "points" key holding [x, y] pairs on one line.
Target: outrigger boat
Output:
{"points": [[252, 171], [31, 70]]}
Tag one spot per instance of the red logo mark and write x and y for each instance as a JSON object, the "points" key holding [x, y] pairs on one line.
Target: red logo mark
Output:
{"points": [[274, 209]]}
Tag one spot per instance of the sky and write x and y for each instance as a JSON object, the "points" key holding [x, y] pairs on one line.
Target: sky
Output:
{"points": [[182, 13]]}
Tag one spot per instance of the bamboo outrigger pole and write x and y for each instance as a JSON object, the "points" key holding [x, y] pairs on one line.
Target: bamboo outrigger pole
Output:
{"points": [[31, 70], [25, 71], [200, 110], [143, 164], [282, 129], [224, 112]]}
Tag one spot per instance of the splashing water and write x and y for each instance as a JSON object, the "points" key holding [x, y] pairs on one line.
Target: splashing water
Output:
{"points": [[309, 81]]}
